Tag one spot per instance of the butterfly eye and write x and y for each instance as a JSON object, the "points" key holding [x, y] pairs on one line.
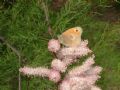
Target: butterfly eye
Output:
{"points": [[76, 30]]}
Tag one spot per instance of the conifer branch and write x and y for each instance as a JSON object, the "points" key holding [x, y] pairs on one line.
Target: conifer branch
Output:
{"points": [[3, 41]]}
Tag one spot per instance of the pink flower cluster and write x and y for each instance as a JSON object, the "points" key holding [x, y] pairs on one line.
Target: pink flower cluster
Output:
{"points": [[53, 75], [53, 45], [79, 78], [82, 77], [74, 52]]}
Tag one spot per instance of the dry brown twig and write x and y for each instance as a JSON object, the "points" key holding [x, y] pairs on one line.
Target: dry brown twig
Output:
{"points": [[45, 8], [50, 31]]}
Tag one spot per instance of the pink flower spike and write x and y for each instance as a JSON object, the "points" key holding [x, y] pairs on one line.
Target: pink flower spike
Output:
{"points": [[68, 61], [54, 76], [44, 72], [58, 65], [53, 45], [81, 69], [94, 70], [89, 61], [95, 88], [65, 85], [84, 43], [82, 77], [74, 52], [78, 83], [92, 79]]}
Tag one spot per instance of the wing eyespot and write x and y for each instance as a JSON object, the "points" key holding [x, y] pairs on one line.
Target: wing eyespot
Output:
{"points": [[76, 30]]}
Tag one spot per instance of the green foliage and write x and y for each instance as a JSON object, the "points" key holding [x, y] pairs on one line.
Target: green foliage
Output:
{"points": [[101, 3], [24, 27], [70, 13]]}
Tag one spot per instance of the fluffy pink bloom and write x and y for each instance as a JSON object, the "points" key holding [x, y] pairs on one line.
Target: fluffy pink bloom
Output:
{"points": [[79, 83], [84, 43], [92, 79], [74, 52], [58, 65], [95, 88], [52, 74], [94, 70], [65, 85], [79, 78], [84, 67], [82, 77], [61, 65], [68, 61], [39, 71], [53, 45], [76, 83]]}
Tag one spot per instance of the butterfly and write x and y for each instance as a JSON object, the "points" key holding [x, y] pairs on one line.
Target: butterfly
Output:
{"points": [[71, 37]]}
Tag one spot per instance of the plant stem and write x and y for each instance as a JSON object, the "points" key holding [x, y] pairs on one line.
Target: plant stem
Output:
{"points": [[28, 81], [45, 8]]}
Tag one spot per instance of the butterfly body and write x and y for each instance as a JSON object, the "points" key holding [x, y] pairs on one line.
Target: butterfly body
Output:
{"points": [[71, 37]]}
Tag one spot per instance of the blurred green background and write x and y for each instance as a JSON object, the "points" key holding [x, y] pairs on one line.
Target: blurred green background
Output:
{"points": [[23, 25]]}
